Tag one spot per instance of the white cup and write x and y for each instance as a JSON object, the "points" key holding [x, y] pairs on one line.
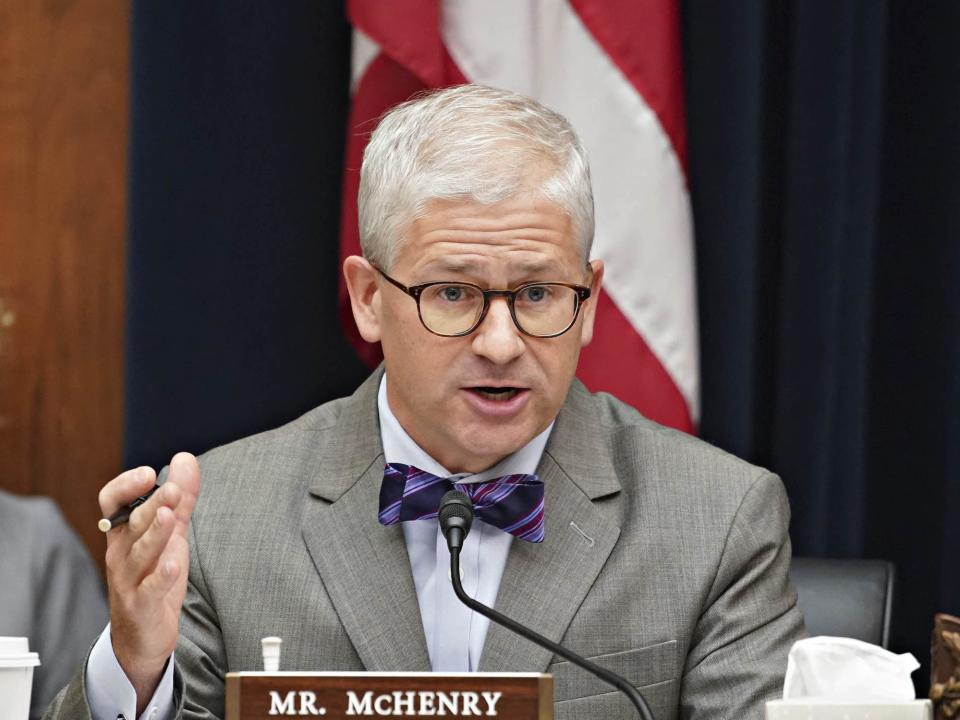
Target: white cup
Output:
{"points": [[16, 675]]}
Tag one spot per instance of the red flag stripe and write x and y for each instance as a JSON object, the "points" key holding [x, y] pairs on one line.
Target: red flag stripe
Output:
{"points": [[406, 30], [620, 362], [643, 40]]}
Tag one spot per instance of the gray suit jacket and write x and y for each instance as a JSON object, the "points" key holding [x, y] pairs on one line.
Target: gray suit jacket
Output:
{"points": [[665, 560], [50, 591]]}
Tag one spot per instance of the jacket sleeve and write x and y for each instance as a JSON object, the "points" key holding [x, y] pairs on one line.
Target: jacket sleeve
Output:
{"points": [[738, 653], [201, 656]]}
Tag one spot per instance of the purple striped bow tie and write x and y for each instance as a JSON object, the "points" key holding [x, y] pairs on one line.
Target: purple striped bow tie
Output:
{"points": [[513, 503]]}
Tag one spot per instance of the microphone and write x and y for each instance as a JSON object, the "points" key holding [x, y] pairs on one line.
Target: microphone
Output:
{"points": [[456, 517]]}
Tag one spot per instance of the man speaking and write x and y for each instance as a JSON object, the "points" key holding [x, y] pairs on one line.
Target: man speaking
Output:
{"points": [[646, 550]]}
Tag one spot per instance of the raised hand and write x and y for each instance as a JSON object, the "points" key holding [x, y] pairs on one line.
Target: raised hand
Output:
{"points": [[147, 563]]}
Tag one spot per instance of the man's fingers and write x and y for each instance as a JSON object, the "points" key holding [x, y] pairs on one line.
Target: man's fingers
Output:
{"points": [[133, 547], [145, 552], [171, 566], [179, 493], [168, 495], [185, 475], [125, 488]]}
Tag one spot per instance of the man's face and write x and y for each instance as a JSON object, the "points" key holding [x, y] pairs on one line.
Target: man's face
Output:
{"points": [[434, 383]]}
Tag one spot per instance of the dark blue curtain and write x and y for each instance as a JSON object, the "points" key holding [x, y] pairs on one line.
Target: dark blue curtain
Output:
{"points": [[825, 175], [239, 110]]}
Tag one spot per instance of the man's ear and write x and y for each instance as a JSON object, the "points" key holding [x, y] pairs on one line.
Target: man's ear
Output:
{"points": [[589, 309], [361, 278]]}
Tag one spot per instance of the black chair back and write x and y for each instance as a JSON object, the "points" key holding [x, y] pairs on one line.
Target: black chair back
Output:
{"points": [[845, 598]]}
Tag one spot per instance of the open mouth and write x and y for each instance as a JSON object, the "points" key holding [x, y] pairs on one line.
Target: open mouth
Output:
{"points": [[497, 393]]}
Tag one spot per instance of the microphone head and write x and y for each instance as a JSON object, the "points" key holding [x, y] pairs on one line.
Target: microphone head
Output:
{"points": [[456, 511]]}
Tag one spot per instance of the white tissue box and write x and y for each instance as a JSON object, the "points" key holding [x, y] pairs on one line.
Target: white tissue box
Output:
{"points": [[811, 709]]}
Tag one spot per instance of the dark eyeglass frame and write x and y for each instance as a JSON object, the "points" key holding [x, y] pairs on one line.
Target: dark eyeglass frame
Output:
{"points": [[416, 291]]}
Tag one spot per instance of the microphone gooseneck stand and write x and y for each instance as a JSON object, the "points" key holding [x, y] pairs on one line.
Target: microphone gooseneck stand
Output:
{"points": [[456, 517]]}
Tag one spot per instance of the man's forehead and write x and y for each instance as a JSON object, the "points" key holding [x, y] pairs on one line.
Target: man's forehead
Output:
{"points": [[527, 201], [526, 232], [457, 263]]}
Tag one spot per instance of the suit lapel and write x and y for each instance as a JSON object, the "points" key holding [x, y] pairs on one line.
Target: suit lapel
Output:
{"points": [[363, 565], [544, 584]]}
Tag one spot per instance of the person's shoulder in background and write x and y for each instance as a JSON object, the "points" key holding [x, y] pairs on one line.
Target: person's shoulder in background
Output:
{"points": [[52, 593]]}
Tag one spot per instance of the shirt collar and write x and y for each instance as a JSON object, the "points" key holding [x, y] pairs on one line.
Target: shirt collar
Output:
{"points": [[399, 447]]}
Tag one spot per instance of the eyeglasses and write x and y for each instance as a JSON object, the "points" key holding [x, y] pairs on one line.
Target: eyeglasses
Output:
{"points": [[452, 309]]}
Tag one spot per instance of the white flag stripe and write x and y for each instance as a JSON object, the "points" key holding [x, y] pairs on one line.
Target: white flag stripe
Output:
{"points": [[644, 226]]}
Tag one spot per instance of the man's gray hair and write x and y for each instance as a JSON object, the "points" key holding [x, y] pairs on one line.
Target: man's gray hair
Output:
{"points": [[470, 143]]}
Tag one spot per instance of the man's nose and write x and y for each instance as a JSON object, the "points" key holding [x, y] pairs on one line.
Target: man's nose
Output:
{"points": [[498, 339]]}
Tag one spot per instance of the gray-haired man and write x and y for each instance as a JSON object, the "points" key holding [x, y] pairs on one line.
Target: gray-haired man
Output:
{"points": [[663, 558]]}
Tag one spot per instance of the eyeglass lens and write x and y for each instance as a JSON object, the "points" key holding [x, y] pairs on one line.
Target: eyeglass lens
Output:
{"points": [[452, 309]]}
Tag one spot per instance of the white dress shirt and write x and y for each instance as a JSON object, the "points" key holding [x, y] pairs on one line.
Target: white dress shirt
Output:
{"points": [[454, 633]]}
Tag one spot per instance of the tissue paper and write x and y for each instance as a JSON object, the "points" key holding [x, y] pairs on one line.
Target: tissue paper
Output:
{"points": [[847, 669], [831, 678]]}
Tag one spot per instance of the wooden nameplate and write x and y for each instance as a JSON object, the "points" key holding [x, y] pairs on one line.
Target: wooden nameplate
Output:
{"points": [[335, 695]]}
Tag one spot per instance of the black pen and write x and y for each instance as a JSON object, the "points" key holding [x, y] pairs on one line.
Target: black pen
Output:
{"points": [[123, 514]]}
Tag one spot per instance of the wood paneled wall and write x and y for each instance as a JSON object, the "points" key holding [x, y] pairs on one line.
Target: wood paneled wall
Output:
{"points": [[63, 136]]}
